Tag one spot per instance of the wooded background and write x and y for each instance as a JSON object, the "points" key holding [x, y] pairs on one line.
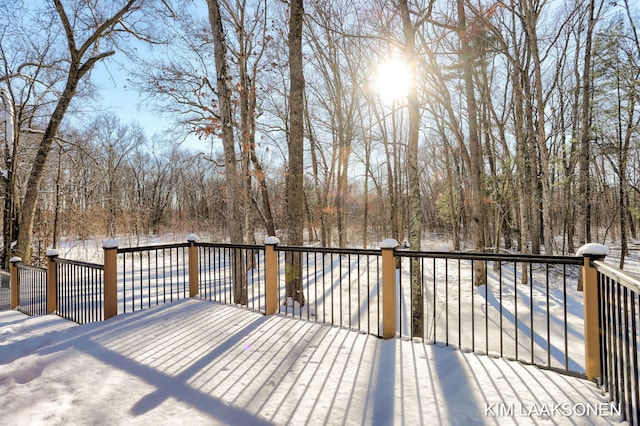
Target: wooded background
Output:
{"points": [[518, 129]]}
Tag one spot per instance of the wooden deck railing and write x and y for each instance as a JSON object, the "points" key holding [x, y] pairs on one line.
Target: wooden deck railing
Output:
{"points": [[520, 311]]}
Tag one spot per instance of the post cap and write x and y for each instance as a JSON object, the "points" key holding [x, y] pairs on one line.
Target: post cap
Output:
{"points": [[271, 240], [389, 243], [593, 249], [15, 259], [110, 244], [52, 253], [192, 238]]}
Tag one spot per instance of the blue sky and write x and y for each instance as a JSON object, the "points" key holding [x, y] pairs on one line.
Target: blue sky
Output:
{"points": [[116, 94]]}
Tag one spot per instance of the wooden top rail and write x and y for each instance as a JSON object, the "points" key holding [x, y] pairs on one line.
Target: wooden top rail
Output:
{"points": [[79, 263], [626, 279], [149, 248], [235, 246], [329, 250], [24, 266], [497, 257]]}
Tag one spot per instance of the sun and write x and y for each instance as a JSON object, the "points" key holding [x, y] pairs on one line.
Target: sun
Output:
{"points": [[391, 80]]}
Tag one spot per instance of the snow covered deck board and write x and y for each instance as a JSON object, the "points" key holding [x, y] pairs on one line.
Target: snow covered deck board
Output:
{"points": [[197, 361]]}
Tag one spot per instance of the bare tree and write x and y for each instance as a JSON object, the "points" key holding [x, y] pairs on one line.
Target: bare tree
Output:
{"points": [[413, 173], [83, 55], [295, 170], [114, 141], [181, 78], [475, 148], [29, 76], [224, 90], [162, 182], [584, 184], [335, 98], [616, 74]]}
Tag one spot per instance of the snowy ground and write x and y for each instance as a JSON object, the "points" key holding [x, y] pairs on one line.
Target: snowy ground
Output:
{"points": [[198, 362]]}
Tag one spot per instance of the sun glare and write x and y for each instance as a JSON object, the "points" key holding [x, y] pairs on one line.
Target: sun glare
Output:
{"points": [[391, 80]]}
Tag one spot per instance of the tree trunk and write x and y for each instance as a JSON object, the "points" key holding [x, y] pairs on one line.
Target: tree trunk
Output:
{"points": [[56, 211], [233, 191], [365, 214], [295, 175], [475, 149], [584, 185], [453, 206], [266, 203], [413, 174], [23, 247], [540, 132]]}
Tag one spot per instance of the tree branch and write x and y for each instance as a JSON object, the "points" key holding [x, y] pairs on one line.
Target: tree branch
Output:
{"points": [[92, 61]]}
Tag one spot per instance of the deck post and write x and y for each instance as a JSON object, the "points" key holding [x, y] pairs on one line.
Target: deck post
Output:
{"points": [[52, 281], [271, 275], [110, 248], [14, 283], [388, 247], [193, 266], [591, 252]]}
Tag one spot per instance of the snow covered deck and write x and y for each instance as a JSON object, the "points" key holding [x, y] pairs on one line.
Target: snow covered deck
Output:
{"points": [[198, 362]]}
